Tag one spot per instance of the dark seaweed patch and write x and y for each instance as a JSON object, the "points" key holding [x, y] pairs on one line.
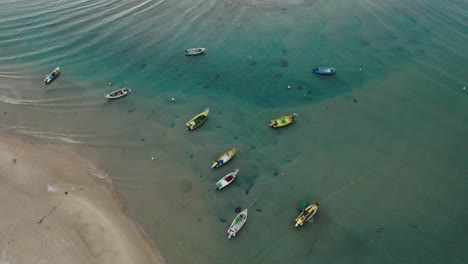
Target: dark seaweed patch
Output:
{"points": [[223, 220], [248, 189], [238, 209], [283, 62], [259, 210]]}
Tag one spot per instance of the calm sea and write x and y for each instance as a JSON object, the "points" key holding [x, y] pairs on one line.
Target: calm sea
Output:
{"points": [[383, 143]]}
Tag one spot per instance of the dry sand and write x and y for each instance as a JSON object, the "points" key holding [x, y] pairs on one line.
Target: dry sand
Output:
{"points": [[54, 210]]}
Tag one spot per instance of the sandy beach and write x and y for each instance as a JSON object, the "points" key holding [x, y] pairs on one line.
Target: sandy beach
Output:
{"points": [[54, 210]]}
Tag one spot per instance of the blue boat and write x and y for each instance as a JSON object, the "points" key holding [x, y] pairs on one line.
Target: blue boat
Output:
{"points": [[325, 70], [54, 74]]}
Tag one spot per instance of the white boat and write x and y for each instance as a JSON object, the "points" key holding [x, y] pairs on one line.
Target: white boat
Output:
{"points": [[226, 180], [194, 51], [54, 74], [224, 158], [117, 93], [238, 223]]}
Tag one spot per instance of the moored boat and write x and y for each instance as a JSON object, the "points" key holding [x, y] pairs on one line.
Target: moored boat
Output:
{"points": [[282, 121], [226, 180], [198, 120], [324, 70], [224, 158], [54, 74], [117, 93], [237, 223], [194, 51], [307, 214]]}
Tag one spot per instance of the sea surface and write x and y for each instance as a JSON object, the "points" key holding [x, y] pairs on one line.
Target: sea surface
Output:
{"points": [[383, 143]]}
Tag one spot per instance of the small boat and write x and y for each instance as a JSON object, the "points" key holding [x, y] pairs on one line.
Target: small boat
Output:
{"points": [[325, 70], [117, 93], [194, 51], [307, 214], [226, 180], [238, 223], [54, 74], [224, 158], [197, 120], [282, 121]]}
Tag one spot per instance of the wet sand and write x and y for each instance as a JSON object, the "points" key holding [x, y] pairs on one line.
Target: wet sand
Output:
{"points": [[54, 210]]}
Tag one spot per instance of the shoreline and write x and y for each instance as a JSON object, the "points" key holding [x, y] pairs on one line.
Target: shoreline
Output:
{"points": [[56, 210]]}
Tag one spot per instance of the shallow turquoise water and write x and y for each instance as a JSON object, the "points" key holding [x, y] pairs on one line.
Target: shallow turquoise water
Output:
{"points": [[394, 116]]}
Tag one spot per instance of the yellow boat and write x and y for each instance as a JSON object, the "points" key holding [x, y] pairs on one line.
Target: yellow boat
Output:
{"points": [[282, 121], [197, 120], [224, 158], [307, 214]]}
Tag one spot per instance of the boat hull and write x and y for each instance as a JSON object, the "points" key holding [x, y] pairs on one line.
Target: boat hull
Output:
{"points": [[224, 158], [52, 76], [197, 120], [282, 121], [237, 223], [307, 214], [194, 51], [117, 94], [324, 70], [226, 180]]}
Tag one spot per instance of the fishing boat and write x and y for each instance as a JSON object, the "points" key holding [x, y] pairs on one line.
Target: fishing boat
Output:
{"points": [[197, 120], [238, 223], [194, 51], [54, 74], [282, 121], [226, 180], [307, 214], [224, 158], [324, 70], [117, 93]]}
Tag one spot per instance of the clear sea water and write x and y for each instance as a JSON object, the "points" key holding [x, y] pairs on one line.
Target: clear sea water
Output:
{"points": [[393, 121]]}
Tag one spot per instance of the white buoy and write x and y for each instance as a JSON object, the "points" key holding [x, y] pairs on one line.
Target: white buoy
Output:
{"points": [[360, 69], [110, 84], [464, 88], [289, 86], [172, 99], [152, 158]]}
